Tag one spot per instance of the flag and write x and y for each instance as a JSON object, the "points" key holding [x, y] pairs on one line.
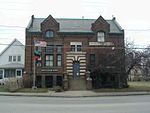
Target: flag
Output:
{"points": [[40, 43]]}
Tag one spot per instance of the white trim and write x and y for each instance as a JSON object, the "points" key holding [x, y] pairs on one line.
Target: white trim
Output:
{"points": [[20, 71], [2, 73], [75, 43]]}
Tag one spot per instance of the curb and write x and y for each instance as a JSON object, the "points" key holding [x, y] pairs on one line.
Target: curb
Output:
{"points": [[67, 95]]}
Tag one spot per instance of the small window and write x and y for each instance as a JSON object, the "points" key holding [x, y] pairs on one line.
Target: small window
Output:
{"points": [[14, 58], [10, 59], [75, 48], [100, 36], [49, 60], [72, 47], [18, 72], [78, 47], [59, 60], [19, 58], [49, 34], [1, 74]]}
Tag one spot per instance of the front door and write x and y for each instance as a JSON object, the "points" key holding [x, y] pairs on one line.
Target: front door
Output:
{"points": [[76, 69]]}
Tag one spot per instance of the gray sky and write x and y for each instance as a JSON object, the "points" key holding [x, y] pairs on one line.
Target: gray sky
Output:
{"points": [[132, 15]]}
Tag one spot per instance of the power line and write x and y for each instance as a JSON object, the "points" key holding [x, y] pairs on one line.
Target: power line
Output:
{"points": [[86, 47]]}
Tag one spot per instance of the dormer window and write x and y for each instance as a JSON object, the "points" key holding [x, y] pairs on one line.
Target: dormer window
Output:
{"points": [[49, 34], [100, 36]]}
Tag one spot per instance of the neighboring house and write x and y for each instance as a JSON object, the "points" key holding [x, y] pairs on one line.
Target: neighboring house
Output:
{"points": [[74, 48], [12, 60], [136, 73]]}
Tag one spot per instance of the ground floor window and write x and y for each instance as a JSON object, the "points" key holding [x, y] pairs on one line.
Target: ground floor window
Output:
{"points": [[9, 73], [1, 74], [39, 81], [59, 80], [18, 72], [49, 81]]}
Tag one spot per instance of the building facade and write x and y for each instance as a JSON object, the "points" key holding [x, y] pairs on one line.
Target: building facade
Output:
{"points": [[75, 50], [12, 61]]}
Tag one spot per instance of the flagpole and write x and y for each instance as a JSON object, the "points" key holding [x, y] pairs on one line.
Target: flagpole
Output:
{"points": [[34, 86]]}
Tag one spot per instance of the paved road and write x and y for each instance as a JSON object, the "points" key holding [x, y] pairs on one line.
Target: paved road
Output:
{"points": [[119, 104]]}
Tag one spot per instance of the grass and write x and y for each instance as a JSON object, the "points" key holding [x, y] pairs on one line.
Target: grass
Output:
{"points": [[133, 86], [3, 89], [30, 90]]}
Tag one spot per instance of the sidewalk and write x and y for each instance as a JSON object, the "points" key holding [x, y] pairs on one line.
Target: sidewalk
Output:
{"points": [[69, 94]]}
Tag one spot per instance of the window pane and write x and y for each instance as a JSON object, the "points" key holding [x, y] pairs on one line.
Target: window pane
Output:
{"points": [[14, 58], [100, 36], [49, 34], [10, 59], [49, 60], [19, 73], [72, 47], [19, 58], [1, 74], [78, 47], [59, 60]]}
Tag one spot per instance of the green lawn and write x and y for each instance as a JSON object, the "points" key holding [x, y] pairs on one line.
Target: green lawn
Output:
{"points": [[30, 90], [140, 86], [133, 86], [3, 89]]}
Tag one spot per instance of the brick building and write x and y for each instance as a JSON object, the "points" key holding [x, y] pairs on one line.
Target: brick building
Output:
{"points": [[76, 49]]}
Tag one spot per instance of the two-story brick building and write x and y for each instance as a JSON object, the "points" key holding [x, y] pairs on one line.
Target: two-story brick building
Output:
{"points": [[74, 49]]}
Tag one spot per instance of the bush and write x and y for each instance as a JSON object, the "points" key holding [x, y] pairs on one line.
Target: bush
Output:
{"points": [[57, 89], [13, 84]]}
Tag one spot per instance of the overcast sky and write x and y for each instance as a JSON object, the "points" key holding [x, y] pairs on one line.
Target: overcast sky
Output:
{"points": [[132, 15]]}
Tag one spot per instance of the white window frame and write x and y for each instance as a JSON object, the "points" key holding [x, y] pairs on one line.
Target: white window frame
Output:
{"points": [[2, 73], [76, 44], [101, 36], [20, 71]]}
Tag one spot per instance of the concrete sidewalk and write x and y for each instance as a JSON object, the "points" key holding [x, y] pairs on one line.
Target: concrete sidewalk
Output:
{"points": [[69, 94]]}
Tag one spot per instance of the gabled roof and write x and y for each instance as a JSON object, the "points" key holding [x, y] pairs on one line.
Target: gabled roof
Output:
{"points": [[15, 40], [73, 25]]}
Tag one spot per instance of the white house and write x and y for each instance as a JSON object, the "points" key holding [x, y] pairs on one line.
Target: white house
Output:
{"points": [[12, 60]]}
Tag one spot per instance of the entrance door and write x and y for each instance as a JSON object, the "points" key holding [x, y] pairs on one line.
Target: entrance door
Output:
{"points": [[76, 69]]}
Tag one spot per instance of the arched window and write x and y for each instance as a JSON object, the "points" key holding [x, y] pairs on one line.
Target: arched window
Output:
{"points": [[49, 34], [100, 36]]}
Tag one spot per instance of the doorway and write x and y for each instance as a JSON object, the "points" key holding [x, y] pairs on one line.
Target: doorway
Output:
{"points": [[76, 69]]}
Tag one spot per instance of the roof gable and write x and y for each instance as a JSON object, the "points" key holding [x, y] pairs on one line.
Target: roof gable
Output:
{"points": [[12, 44], [49, 23], [100, 25]]}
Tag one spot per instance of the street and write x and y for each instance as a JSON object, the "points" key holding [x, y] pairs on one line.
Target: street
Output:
{"points": [[114, 104]]}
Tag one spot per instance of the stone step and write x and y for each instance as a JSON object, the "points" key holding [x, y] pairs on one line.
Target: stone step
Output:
{"points": [[77, 84]]}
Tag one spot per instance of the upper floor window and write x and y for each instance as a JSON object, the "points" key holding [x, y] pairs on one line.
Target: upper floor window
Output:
{"points": [[10, 59], [100, 36], [19, 58], [49, 34], [76, 46], [16, 58]]}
